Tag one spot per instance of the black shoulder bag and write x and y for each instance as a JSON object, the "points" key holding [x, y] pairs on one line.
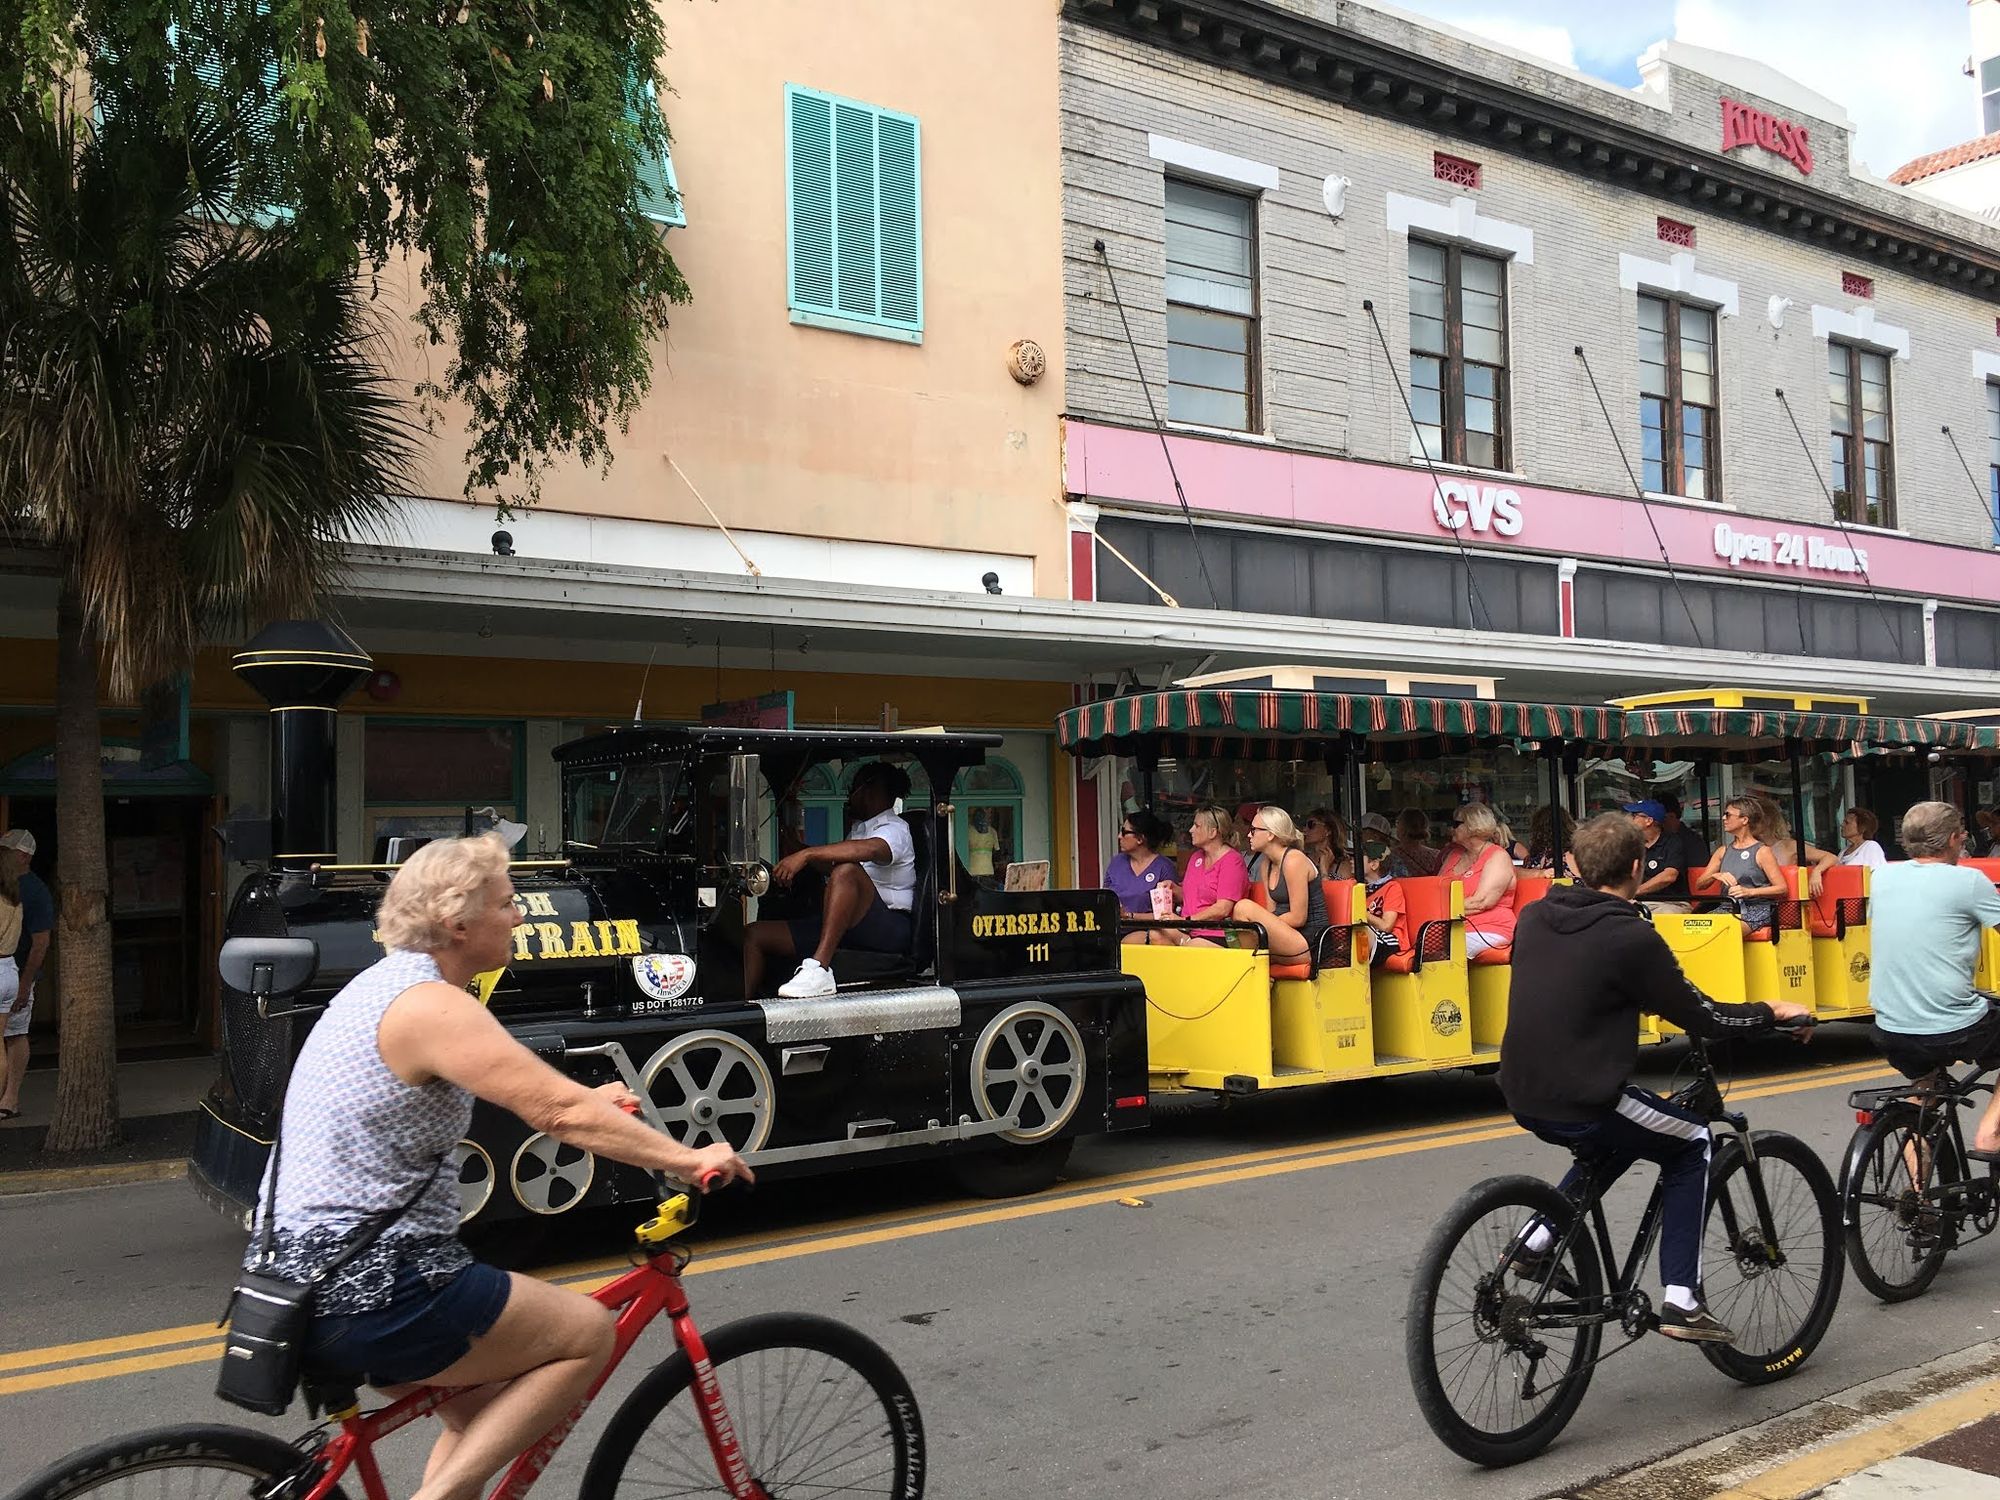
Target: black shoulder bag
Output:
{"points": [[269, 1315]]}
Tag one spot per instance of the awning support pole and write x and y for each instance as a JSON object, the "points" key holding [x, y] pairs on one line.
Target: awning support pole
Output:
{"points": [[1798, 794]]}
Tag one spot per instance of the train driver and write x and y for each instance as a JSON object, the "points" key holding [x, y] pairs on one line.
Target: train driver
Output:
{"points": [[867, 900]]}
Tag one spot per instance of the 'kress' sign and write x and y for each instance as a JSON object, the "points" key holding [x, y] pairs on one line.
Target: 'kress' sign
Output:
{"points": [[1744, 126]]}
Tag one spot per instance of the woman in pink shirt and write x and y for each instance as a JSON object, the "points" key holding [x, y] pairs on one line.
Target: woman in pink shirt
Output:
{"points": [[1479, 859], [1216, 877]]}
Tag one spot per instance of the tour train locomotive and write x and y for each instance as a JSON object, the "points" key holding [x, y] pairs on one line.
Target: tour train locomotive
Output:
{"points": [[1006, 1032]]}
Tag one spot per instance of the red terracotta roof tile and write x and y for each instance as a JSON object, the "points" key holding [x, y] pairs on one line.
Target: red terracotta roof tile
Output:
{"points": [[1943, 161]]}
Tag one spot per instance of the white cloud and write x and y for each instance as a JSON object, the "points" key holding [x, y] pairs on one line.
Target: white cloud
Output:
{"points": [[1549, 43], [1894, 68]]}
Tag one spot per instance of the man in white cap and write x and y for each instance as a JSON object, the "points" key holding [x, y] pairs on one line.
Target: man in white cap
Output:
{"points": [[38, 919]]}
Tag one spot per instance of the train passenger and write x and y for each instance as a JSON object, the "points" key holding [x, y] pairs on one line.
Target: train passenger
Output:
{"points": [[382, 1093], [1982, 838], [1775, 829], [1388, 908], [1411, 854], [1328, 845], [1745, 868], [1586, 967], [1479, 859], [1215, 880], [867, 901], [1539, 853], [1296, 919], [1663, 879], [1688, 843], [1138, 868], [1927, 1012], [1857, 835]]}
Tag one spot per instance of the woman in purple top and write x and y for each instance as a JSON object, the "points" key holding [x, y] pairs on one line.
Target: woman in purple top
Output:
{"points": [[1138, 867], [1216, 877]]}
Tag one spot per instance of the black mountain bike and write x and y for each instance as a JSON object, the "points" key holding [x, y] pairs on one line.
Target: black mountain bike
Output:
{"points": [[1909, 1192], [1502, 1342]]}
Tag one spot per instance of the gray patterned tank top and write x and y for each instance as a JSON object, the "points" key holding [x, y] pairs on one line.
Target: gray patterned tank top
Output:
{"points": [[357, 1141], [1742, 863]]}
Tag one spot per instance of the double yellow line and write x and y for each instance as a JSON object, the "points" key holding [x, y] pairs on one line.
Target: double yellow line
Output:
{"points": [[195, 1343]]}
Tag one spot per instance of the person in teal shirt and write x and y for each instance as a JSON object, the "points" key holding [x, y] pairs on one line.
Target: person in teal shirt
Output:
{"points": [[1927, 1012]]}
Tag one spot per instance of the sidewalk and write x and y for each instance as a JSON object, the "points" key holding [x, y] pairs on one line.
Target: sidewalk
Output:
{"points": [[1931, 1433], [157, 1101]]}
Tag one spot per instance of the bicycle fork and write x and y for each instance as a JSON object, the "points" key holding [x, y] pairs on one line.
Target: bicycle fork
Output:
{"points": [[715, 1424], [1771, 1253]]}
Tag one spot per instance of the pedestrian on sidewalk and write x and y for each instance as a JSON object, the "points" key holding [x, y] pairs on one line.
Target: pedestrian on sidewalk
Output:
{"points": [[24, 942]]}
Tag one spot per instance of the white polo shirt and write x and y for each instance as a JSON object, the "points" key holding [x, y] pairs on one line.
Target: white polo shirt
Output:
{"points": [[895, 882]]}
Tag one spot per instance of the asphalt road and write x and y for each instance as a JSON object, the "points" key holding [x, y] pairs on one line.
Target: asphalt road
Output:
{"points": [[1234, 1329]]}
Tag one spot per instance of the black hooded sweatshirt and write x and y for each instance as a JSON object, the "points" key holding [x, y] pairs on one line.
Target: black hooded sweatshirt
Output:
{"points": [[1587, 964]]}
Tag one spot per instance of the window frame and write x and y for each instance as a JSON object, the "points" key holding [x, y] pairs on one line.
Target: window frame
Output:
{"points": [[812, 314], [1253, 321], [1451, 388], [1992, 394], [1673, 451], [376, 809], [1856, 445]]}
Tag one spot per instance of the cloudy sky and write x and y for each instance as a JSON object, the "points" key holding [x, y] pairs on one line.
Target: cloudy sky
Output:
{"points": [[1895, 64]]}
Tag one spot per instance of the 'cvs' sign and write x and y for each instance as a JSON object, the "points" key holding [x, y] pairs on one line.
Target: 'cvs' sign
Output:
{"points": [[1744, 126]]}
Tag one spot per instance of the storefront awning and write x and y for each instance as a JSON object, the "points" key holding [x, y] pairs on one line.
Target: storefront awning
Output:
{"points": [[1275, 725], [1760, 733]]}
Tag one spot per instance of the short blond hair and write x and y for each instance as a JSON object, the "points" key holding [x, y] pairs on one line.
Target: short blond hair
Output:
{"points": [[1483, 821], [435, 888]]}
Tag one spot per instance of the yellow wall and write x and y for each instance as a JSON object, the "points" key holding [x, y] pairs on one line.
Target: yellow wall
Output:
{"points": [[833, 434]]}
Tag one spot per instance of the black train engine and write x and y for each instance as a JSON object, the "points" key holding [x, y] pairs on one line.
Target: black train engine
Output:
{"points": [[1005, 1032]]}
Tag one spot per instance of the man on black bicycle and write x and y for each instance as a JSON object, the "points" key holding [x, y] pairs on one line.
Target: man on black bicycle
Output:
{"points": [[1928, 1015], [1587, 965]]}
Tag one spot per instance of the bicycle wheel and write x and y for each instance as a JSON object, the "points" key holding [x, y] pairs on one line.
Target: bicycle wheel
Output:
{"points": [[1779, 1298], [818, 1409], [190, 1462], [1496, 1375], [1896, 1230]]}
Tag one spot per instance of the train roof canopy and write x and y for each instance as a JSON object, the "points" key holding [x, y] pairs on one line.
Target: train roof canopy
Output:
{"points": [[627, 746]]}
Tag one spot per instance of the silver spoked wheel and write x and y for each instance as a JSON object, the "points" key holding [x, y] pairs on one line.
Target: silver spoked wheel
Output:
{"points": [[550, 1176], [1029, 1063], [711, 1088], [473, 1168]]}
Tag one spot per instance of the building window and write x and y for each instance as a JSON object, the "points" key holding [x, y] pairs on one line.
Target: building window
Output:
{"points": [[1993, 456], [432, 779], [1864, 476], [854, 217], [659, 192], [1211, 307], [1458, 355], [1989, 93], [1677, 401]]}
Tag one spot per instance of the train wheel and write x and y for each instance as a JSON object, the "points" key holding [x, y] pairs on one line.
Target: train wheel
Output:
{"points": [[710, 1087], [473, 1168], [550, 1177], [1029, 1063]]}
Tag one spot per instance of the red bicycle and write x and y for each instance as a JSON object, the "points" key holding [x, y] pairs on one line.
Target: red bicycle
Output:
{"points": [[773, 1407]]}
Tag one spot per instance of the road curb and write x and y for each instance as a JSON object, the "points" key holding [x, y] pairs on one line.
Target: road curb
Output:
{"points": [[1799, 1454], [110, 1174]]}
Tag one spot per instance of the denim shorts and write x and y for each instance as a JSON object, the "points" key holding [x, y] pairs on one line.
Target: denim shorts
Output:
{"points": [[419, 1333]]}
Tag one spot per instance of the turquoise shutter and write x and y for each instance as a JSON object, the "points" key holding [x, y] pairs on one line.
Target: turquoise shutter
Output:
{"points": [[255, 115], [659, 191], [855, 200]]}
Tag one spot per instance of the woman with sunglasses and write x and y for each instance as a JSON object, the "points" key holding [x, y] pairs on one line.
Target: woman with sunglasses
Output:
{"points": [[1138, 868], [1296, 919], [1327, 844], [1479, 858]]}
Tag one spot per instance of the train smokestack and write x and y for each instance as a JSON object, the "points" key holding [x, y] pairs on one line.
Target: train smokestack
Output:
{"points": [[303, 669]]}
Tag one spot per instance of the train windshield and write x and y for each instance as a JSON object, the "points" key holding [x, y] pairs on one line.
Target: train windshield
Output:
{"points": [[645, 807]]}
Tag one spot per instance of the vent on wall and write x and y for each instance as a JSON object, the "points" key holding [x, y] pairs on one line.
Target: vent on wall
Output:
{"points": [[1852, 285], [1454, 169], [1674, 232]]}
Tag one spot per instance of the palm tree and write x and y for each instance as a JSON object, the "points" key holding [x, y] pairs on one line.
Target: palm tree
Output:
{"points": [[193, 423]]}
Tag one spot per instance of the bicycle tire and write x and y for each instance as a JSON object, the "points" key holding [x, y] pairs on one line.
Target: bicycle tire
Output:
{"points": [[258, 1457], [794, 1336], [1776, 1346], [1874, 1232], [1508, 1203]]}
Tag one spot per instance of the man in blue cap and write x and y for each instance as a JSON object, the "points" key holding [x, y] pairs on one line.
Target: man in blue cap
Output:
{"points": [[1663, 879]]}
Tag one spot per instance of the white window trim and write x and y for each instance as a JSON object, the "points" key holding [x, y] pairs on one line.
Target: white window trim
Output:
{"points": [[1462, 221], [1678, 276], [1206, 165], [1233, 434], [1985, 367], [1860, 327]]}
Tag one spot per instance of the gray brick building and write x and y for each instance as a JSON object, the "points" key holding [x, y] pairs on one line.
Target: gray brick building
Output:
{"points": [[1257, 173]]}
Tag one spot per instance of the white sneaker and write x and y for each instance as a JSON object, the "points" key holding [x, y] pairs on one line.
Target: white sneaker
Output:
{"points": [[812, 982]]}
